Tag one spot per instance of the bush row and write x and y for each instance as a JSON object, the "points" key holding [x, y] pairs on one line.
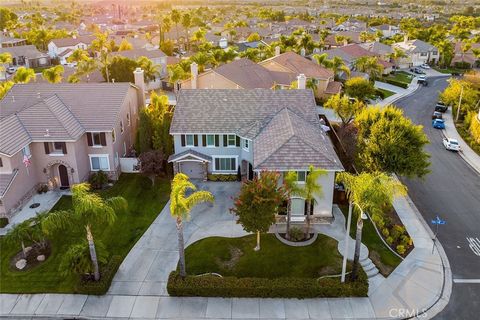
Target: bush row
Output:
{"points": [[222, 177], [211, 286], [101, 286], [396, 83], [3, 222]]}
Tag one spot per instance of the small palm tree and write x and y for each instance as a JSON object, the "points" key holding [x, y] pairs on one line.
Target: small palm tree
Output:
{"points": [[311, 189], [89, 210], [77, 258], [180, 207], [150, 70], [291, 188], [28, 231], [24, 75], [53, 74], [370, 192]]}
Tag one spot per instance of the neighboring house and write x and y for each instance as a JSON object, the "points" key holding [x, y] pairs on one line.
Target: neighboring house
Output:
{"points": [[249, 131], [239, 74], [66, 132], [417, 53], [465, 56], [387, 30], [295, 63], [350, 37], [351, 25], [379, 49], [57, 46], [27, 56], [6, 41]]}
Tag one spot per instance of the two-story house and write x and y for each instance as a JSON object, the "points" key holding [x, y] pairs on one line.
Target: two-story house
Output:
{"points": [[417, 52], [64, 46], [58, 134], [226, 131]]}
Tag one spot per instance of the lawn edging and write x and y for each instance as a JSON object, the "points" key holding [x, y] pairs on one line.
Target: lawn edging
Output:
{"points": [[227, 287]]}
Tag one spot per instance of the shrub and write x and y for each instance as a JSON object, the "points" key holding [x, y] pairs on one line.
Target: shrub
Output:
{"points": [[396, 83], [474, 127], [98, 179], [378, 220], [462, 65], [222, 177], [405, 240], [43, 188], [385, 232], [401, 249], [397, 231], [3, 222], [101, 286], [211, 286], [389, 240], [296, 234]]}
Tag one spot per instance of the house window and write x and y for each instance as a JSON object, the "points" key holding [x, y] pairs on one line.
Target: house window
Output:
{"points": [[246, 144], [190, 140], [298, 206], [121, 126], [210, 140], [128, 119], [55, 148], [423, 54], [99, 162], [26, 151], [96, 139], [434, 53], [226, 164], [301, 176], [231, 140]]}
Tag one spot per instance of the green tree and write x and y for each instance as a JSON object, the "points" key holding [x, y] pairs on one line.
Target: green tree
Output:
{"points": [[389, 142], [371, 192], [89, 211], [53, 74], [258, 202], [167, 47], [344, 108], [311, 190], [176, 17], [103, 48], [125, 45], [27, 232], [78, 56], [291, 189], [77, 258], [201, 59], [369, 65], [254, 37], [180, 207], [150, 70], [85, 68], [7, 17], [187, 24], [469, 97], [120, 69], [5, 58], [359, 88], [24, 75], [5, 87]]}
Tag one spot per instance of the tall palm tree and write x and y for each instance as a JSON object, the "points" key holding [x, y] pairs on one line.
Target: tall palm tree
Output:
{"points": [[321, 59], [53, 74], [150, 70], [202, 59], [292, 188], [102, 47], [180, 207], [24, 75], [176, 17], [370, 192], [369, 65], [176, 74], [89, 211], [186, 24], [311, 189]]}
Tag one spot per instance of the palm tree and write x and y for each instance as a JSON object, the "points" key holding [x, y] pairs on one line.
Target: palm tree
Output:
{"points": [[86, 67], [53, 74], [396, 55], [150, 70], [321, 59], [102, 47], [77, 258], [5, 58], [370, 192], [4, 87], [89, 210], [78, 55], [187, 23], [28, 231], [24, 75], [311, 189], [176, 74], [125, 45], [176, 17], [199, 36], [369, 65], [292, 188], [202, 59], [180, 207]]}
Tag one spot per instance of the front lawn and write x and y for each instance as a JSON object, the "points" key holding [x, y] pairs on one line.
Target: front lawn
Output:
{"points": [[401, 76], [385, 93], [449, 70], [236, 257], [145, 203]]}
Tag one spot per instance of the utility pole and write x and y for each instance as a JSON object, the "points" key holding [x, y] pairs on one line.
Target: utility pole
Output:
{"points": [[459, 103]]}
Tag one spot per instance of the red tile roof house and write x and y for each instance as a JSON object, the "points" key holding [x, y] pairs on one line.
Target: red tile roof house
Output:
{"points": [[67, 131]]}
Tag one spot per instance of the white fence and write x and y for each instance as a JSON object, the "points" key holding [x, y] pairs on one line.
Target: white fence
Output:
{"points": [[129, 165]]}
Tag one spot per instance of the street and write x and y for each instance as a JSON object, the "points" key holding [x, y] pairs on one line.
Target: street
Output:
{"points": [[451, 191]]}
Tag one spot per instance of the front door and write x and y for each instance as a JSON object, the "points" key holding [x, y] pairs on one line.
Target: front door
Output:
{"points": [[63, 173]]}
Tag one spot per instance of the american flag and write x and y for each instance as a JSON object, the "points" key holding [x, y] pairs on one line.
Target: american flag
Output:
{"points": [[26, 161]]}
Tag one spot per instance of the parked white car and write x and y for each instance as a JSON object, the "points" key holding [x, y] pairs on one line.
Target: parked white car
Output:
{"points": [[451, 144], [425, 66], [11, 70]]}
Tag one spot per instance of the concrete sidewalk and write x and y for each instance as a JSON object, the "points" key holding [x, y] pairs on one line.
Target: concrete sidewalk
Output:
{"points": [[470, 156], [399, 92], [421, 283]]}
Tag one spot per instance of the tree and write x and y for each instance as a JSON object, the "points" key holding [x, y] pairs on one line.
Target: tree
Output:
{"points": [[85, 68], [152, 163], [369, 65], [7, 17], [89, 211], [5, 87], [167, 47], [150, 70], [311, 189], [469, 96], [120, 69], [180, 207], [24, 75], [254, 37], [201, 59], [53, 74], [77, 258], [344, 108], [125, 45], [27, 232], [359, 88], [78, 56], [396, 55], [176, 17], [176, 74], [5, 58], [187, 24], [291, 189], [371, 192], [258, 202], [389, 142], [102, 47]]}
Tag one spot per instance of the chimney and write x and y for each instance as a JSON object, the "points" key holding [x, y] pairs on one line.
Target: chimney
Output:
{"points": [[277, 51], [405, 38], [140, 83], [194, 71], [302, 52], [301, 81]]}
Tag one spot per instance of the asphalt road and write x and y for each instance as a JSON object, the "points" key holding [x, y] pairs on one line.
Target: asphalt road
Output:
{"points": [[451, 191]]}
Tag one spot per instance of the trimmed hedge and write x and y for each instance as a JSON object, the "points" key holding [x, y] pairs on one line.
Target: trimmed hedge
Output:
{"points": [[101, 286], [212, 286], [222, 177], [396, 83], [3, 222]]}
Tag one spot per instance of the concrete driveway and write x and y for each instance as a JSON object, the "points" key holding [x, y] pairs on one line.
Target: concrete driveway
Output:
{"points": [[146, 268]]}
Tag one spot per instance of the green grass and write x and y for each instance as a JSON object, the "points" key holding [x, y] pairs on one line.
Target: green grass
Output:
{"points": [[386, 93], [383, 258], [145, 203], [401, 76], [449, 70], [274, 260]]}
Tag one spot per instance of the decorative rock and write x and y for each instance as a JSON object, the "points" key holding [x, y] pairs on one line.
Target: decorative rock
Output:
{"points": [[41, 258], [21, 264], [27, 249]]}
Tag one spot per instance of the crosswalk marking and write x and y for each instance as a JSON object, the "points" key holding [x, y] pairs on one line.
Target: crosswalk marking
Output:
{"points": [[466, 280], [474, 244]]}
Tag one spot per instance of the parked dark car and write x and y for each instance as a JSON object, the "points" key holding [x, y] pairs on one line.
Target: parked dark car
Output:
{"points": [[436, 115], [422, 79], [417, 70], [441, 107]]}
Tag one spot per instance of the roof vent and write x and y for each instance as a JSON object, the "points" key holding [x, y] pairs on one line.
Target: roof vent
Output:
{"points": [[38, 95], [47, 133], [13, 98]]}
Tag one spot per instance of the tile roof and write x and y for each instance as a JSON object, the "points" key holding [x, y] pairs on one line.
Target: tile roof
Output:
{"points": [[142, 52], [70, 42], [333, 87], [28, 51], [6, 180], [298, 64]]}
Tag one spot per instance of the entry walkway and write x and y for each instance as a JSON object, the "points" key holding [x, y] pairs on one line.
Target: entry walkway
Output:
{"points": [[422, 282]]}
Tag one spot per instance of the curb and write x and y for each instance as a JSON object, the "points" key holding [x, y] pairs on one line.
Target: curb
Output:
{"points": [[462, 155]]}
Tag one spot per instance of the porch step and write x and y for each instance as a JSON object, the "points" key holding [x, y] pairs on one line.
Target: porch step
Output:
{"points": [[372, 272], [369, 267]]}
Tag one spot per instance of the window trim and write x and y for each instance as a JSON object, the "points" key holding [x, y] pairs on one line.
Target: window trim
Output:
{"points": [[246, 145], [94, 145], [305, 179], [98, 155], [186, 140], [234, 140], [25, 152], [214, 169], [206, 140]]}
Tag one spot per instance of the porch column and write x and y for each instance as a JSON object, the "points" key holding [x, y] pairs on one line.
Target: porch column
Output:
{"points": [[205, 171], [175, 168]]}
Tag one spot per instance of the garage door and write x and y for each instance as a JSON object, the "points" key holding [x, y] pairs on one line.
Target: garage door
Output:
{"points": [[192, 169]]}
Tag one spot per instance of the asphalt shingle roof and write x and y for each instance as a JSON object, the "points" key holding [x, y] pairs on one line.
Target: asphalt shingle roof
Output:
{"points": [[298, 64]]}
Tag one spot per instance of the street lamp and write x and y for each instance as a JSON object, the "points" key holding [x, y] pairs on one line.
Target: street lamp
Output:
{"points": [[363, 216]]}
